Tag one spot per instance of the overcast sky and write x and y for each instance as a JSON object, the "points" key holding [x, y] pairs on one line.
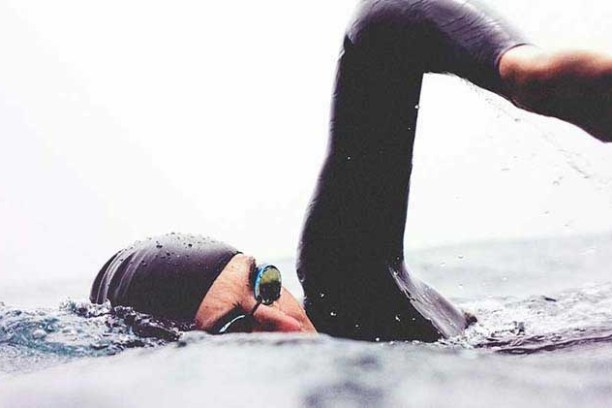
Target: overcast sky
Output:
{"points": [[125, 119]]}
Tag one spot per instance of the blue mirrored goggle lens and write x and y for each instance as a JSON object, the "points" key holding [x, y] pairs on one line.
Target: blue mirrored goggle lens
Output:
{"points": [[267, 285]]}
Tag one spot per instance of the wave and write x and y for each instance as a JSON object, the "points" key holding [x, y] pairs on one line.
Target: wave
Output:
{"points": [[570, 319], [31, 339], [34, 339]]}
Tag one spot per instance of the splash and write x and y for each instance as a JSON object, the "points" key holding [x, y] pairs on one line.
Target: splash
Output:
{"points": [[40, 338], [31, 339], [573, 318]]}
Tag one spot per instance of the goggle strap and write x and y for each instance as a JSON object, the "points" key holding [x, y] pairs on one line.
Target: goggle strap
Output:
{"points": [[259, 301]]}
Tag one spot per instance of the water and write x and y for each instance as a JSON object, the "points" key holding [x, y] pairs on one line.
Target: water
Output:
{"points": [[543, 338]]}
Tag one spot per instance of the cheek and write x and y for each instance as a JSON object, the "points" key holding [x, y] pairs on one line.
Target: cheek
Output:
{"points": [[220, 299]]}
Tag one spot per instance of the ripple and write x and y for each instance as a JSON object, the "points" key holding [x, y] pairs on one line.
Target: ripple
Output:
{"points": [[570, 319], [31, 339]]}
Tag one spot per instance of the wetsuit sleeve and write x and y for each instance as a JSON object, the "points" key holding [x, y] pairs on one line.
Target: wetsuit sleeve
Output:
{"points": [[351, 261]]}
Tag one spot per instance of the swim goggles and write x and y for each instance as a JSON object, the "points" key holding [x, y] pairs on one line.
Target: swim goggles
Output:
{"points": [[266, 284]]}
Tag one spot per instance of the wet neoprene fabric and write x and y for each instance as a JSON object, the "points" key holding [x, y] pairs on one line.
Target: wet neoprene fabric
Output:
{"points": [[166, 276], [350, 261]]}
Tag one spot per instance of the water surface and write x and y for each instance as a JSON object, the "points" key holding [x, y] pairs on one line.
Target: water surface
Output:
{"points": [[544, 338]]}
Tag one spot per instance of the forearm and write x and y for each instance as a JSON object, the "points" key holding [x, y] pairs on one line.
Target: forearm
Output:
{"points": [[575, 86]]}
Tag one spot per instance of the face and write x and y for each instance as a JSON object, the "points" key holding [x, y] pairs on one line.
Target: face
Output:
{"points": [[232, 294]]}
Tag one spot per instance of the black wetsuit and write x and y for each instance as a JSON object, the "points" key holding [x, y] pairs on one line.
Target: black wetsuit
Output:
{"points": [[351, 261]]}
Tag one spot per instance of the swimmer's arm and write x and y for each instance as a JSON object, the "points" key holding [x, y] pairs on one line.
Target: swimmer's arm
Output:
{"points": [[574, 86]]}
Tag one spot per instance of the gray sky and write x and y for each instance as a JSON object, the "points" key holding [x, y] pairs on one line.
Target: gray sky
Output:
{"points": [[125, 119]]}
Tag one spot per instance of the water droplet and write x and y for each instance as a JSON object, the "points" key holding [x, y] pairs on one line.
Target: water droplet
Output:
{"points": [[189, 245], [377, 339], [333, 314], [348, 157], [322, 295], [159, 245], [39, 334], [397, 318], [460, 256], [417, 107]]}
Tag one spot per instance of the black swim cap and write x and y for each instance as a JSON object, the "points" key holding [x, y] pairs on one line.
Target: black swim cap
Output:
{"points": [[166, 276]]}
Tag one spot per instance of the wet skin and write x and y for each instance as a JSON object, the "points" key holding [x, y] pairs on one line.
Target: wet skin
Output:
{"points": [[231, 292], [574, 86]]}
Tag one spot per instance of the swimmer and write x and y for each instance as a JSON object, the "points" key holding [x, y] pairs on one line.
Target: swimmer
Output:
{"points": [[350, 261]]}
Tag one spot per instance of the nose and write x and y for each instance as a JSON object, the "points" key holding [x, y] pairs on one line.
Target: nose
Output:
{"points": [[272, 319]]}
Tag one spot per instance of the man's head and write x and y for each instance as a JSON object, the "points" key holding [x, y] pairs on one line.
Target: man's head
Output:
{"points": [[232, 294], [194, 279]]}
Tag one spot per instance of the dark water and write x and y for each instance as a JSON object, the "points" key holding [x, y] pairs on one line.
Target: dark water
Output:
{"points": [[544, 338]]}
